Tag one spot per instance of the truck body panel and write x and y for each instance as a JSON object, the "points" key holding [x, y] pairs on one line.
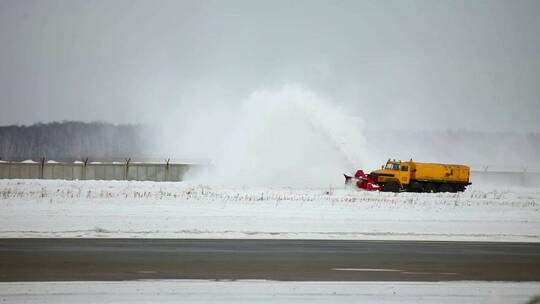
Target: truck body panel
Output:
{"points": [[439, 172]]}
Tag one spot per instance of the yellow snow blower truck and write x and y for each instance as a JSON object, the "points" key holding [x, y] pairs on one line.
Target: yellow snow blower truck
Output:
{"points": [[411, 176]]}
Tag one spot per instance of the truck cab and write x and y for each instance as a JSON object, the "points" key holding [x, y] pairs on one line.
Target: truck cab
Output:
{"points": [[393, 176]]}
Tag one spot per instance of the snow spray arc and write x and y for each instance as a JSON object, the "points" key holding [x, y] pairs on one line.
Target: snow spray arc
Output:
{"points": [[289, 137]]}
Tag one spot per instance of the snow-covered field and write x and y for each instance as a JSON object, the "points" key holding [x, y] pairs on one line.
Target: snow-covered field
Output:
{"points": [[174, 291], [52, 208]]}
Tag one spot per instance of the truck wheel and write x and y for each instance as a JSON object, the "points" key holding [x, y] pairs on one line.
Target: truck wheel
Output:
{"points": [[391, 187], [430, 188], [446, 188], [460, 188], [414, 186]]}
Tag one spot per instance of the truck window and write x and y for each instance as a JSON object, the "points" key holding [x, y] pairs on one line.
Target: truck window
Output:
{"points": [[404, 168], [391, 166]]}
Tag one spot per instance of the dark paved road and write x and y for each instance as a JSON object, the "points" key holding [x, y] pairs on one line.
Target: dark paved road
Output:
{"points": [[128, 259]]}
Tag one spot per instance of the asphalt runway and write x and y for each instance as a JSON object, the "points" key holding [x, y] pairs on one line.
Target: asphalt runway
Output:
{"points": [[298, 260]]}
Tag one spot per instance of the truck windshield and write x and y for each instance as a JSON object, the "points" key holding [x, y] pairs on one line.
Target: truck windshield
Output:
{"points": [[391, 166]]}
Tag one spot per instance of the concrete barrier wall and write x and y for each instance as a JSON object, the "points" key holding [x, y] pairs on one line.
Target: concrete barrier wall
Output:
{"points": [[63, 171], [95, 171], [20, 170]]}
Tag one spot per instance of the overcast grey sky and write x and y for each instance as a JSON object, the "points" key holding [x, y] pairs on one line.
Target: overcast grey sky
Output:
{"points": [[397, 64]]}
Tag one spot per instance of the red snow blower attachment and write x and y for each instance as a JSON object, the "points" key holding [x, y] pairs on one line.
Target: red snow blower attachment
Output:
{"points": [[362, 181]]}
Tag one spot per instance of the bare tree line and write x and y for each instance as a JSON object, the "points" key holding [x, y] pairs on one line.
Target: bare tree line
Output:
{"points": [[69, 140]]}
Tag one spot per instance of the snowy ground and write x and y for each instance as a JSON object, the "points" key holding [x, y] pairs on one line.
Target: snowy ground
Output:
{"points": [[173, 291], [47, 208]]}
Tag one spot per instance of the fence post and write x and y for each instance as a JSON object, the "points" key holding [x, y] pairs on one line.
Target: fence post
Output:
{"points": [[167, 170], [42, 168], [126, 169], [83, 174]]}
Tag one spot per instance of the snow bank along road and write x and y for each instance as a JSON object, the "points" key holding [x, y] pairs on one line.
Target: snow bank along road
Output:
{"points": [[116, 209], [195, 291], [289, 260]]}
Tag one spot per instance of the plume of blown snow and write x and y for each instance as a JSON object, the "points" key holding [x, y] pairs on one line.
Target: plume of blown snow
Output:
{"points": [[289, 137]]}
